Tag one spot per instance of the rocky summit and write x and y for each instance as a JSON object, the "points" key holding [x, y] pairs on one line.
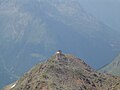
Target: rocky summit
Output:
{"points": [[64, 72]]}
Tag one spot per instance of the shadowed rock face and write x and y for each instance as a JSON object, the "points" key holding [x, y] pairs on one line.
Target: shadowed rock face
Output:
{"points": [[67, 73]]}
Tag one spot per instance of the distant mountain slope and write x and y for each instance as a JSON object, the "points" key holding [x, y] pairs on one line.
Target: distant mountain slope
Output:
{"points": [[113, 67], [30, 30], [7, 76], [105, 10], [64, 72]]}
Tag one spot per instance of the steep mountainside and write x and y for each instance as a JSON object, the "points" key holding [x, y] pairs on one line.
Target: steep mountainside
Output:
{"points": [[64, 72], [30, 30], [113, 67]]}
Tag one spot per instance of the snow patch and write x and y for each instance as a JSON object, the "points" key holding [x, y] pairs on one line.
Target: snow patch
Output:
{"points": [[13, 85]]}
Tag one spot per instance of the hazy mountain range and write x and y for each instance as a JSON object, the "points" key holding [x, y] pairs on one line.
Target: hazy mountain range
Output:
{"points": [[31, 30]]}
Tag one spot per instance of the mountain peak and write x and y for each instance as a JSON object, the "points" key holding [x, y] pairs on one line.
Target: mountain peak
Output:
{"points": [[63, 72], [68, 60]]}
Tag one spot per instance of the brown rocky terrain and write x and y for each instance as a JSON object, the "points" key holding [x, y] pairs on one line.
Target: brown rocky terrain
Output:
{"points": [[65, 72]]}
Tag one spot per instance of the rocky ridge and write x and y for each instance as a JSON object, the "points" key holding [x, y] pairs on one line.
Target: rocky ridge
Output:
{"points": [[64, 72]]}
